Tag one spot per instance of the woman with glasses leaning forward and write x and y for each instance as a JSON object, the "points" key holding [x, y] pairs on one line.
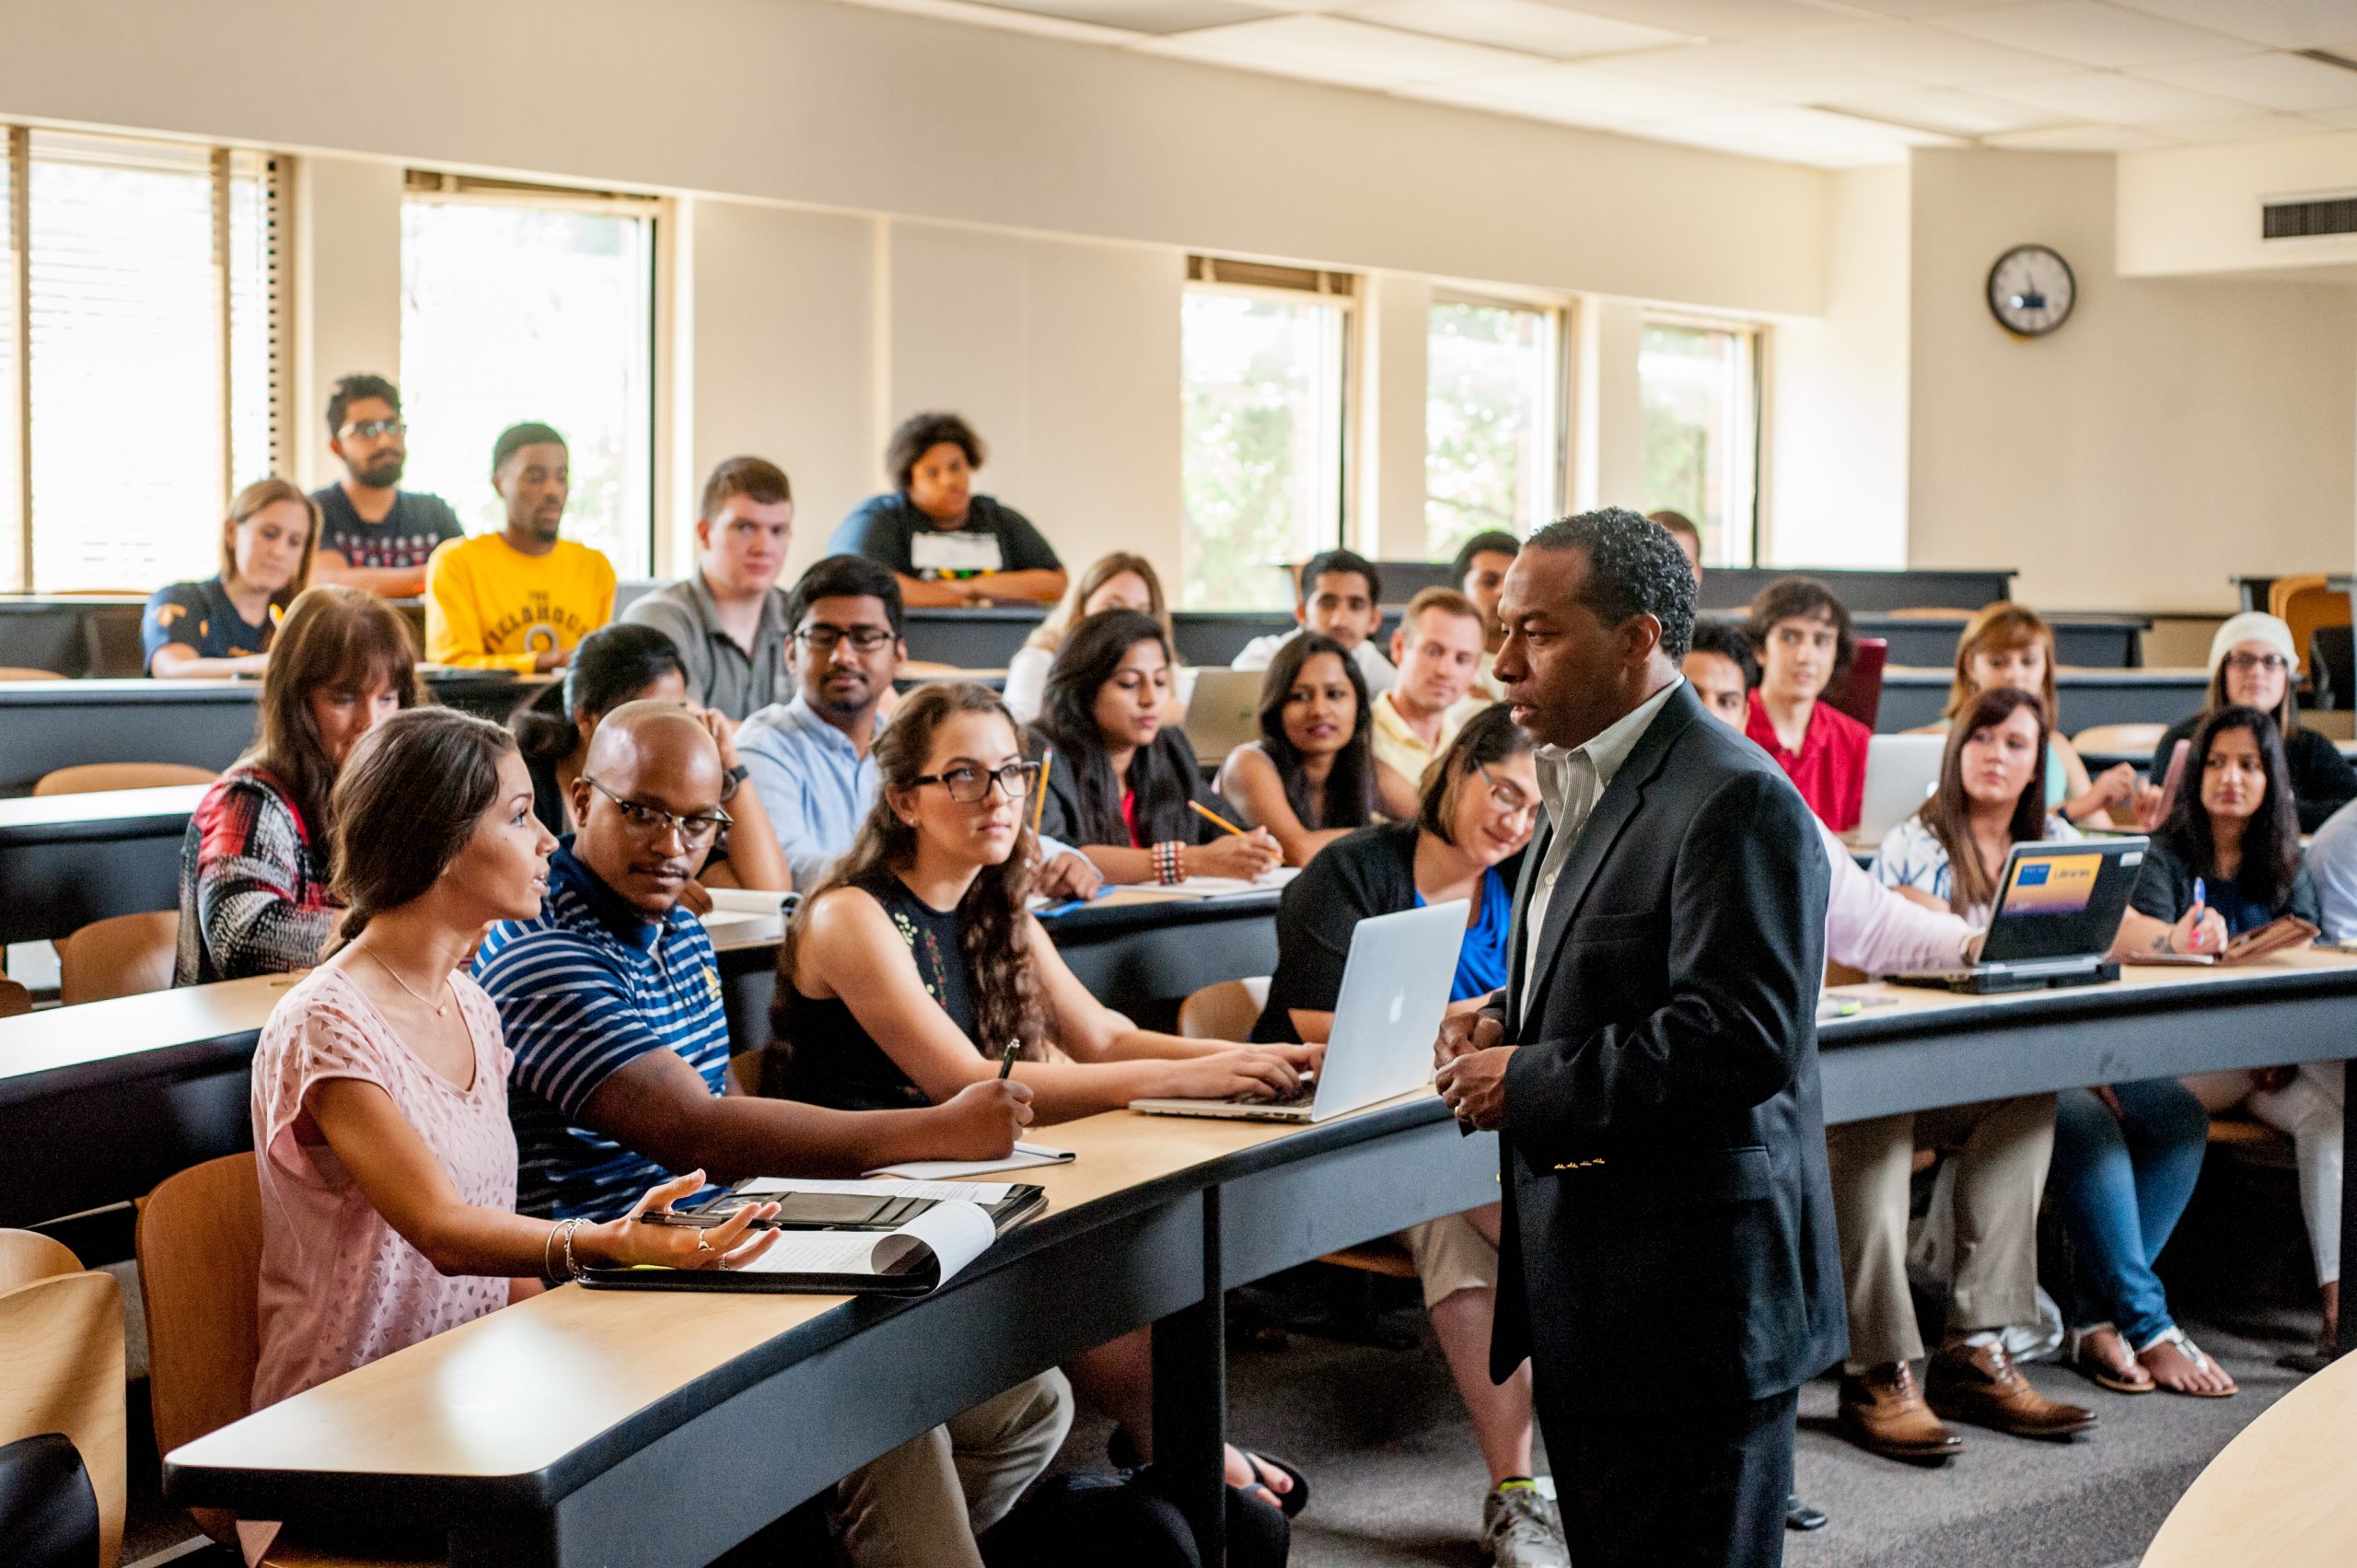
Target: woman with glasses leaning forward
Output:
{"points": [[1476, 808], [906, 973], [2252, 662]]}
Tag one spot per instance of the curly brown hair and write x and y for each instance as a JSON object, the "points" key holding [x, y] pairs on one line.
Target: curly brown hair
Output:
{"points": [[992, 920]]}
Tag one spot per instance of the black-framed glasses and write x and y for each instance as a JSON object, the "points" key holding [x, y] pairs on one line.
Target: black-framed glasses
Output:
{"points": [[968, 784], [2243, 664], [652, 819], [369, 429], [1507, 797], [823, 639]]}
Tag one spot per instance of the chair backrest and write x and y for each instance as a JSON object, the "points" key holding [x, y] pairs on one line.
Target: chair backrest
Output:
{"points": [[1225, 1009], [2332, 670], [62, 1373], [200, 1267], [2118, 739], [124, 955], [15, 1000], [88, 778], [22, 672], [2304, 604], [27, 1256]]}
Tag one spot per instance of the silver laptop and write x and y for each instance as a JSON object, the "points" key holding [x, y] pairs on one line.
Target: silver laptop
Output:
{"points": [[1394, 989], [2058, 905], [1900, 772], [1224, 712]]}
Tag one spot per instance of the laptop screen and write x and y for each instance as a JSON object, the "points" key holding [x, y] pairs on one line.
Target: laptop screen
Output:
{"points": [[2062, 901]]}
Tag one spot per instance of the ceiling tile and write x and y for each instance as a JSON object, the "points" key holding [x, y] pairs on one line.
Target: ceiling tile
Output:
{"points": [[2242, 128], [2280, 24], [2093, 33], [1944, 109], [1527, 25], [2079, 139], [1800, 135], [1142, 16], [1715, 19], [2334, 116], [1578, 95], [2104, 96], [2270, 81], [1752, 71], [1919, 53], [1329, 48]]}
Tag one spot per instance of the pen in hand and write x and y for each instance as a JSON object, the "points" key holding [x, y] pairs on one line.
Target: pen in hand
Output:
{"points": [[1006, 1061]]}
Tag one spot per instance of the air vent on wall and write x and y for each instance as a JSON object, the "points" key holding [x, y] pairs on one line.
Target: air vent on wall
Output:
{"points": [[2308, 217]]}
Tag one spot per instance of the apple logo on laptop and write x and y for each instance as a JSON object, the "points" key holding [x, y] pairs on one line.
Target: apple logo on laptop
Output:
{"points": [[1398, 1005]]}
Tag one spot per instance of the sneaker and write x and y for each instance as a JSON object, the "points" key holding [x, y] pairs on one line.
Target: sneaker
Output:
{"points": [[1521, 1529]]}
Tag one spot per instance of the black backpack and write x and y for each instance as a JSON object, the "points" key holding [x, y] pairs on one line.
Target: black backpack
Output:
{"points": [[1086, 1521]]}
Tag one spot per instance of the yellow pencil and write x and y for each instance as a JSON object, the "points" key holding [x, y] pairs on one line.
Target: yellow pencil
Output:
{"points": [[1040, 805], [1208, 815]]}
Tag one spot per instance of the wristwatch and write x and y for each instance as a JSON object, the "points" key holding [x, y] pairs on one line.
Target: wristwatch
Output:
{"points": [[736, 776]]}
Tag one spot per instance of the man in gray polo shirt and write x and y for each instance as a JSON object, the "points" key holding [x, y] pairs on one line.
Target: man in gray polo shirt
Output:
{"points": [[728, 621]]}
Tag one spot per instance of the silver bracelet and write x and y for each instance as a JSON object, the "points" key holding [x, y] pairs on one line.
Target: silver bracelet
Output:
{"points": [[548, 1250], [572, 1269]]}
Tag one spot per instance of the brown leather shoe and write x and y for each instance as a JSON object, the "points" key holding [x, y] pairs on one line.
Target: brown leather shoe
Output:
{"points": [[1981, 1385], [1883, 1413]]}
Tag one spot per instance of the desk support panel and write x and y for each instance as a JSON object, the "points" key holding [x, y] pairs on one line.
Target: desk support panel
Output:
{"points": [[1190, 1399]]}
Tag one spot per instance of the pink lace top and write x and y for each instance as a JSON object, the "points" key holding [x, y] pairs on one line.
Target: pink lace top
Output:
{"points": [[339, 1285]]}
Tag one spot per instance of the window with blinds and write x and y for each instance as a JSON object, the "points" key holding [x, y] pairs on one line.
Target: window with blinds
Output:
{"points": [[142, 331]]}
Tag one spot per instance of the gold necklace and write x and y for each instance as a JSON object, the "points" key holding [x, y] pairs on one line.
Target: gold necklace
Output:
{"points": [[438, 1010]]}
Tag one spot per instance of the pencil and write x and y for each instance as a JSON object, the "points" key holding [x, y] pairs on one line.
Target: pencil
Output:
{"points": [[1007, 1063], [1039, 803], [1207, 814]]}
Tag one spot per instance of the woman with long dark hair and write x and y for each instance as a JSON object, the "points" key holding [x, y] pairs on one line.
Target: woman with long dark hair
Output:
{"points": [[1310, 777], [2126, 1155], [254, 894], [1122, 580], [909, 971], [1121, 782], [1991, 796], [630, 663], [2254, 664]]}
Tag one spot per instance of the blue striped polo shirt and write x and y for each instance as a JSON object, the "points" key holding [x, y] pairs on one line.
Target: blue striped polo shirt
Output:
{"points": [[584, 989]]}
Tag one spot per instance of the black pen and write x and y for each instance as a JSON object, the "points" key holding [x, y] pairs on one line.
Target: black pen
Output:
{"points": [[1007, 1063]]}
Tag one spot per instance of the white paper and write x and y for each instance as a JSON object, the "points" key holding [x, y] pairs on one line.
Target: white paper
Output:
{"points": [[1025, 1157], [960, 550], [748, 901], [939, 1191], [953, 1233]]}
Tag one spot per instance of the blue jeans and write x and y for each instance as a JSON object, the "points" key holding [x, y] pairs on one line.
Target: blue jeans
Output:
{"points": [[2121, 1181]]}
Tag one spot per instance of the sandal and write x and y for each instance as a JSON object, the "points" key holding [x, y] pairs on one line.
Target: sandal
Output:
{"points": [[2174, 1336], [1123, 1455], [2133, 1379]]}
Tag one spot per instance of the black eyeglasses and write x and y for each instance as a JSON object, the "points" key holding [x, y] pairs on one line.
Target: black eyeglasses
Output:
{"points": [[2243, 664], [652, 819], [823, 639], [370, 429], [968, 784]]}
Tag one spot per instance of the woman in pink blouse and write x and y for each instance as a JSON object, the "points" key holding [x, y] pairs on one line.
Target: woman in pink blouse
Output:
{"points": [[387, 1166]]}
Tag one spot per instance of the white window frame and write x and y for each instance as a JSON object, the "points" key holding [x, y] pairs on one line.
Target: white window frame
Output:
{"points": [[1561, 316], [1752, 388]]}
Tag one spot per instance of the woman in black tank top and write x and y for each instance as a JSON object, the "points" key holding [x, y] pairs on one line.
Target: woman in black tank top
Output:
{"points": [[902, 979]]}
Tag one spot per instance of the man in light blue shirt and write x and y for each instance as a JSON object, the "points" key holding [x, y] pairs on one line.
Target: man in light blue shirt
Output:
{"points": [[813, 758]]}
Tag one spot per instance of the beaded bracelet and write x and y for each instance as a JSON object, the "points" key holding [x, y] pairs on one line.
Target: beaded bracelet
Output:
{"points": [[1168, 864]]}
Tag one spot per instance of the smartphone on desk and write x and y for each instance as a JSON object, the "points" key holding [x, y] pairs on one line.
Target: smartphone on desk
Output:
{"points": [[804, 1210]]}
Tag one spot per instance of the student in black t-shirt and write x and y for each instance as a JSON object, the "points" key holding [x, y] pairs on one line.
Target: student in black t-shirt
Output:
{"points": [[224, 625], [372, 535], [949, 546]]}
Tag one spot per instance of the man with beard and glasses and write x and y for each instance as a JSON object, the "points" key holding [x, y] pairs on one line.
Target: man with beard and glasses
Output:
{"points": [[812, 759], [523, 597], [372, 535]]}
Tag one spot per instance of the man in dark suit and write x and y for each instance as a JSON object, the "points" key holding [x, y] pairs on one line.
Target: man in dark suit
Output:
{"points": [[1668, 1257]]}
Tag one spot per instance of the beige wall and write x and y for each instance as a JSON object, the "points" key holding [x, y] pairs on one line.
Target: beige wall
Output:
{"points": [[2170, 434], [2185, 210]]}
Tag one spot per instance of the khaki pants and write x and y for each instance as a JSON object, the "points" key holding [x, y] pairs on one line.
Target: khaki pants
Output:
{"points": [[922, 1504], [2001, 1177]]}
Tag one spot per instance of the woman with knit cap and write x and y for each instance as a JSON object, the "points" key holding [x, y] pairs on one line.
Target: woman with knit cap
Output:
{"points": [[2252, 662]]}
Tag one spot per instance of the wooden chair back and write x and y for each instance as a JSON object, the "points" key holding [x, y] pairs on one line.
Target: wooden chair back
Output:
{"points": [[2112, 740], [1226, 1009], [2305, 604], [24, 672], [15, 1000], [62, 1373], [88, 778], [124, 955], [27, 1256], [200, 1267]]}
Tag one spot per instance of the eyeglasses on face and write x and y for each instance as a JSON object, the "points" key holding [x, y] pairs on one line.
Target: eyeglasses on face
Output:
{"points": [[823, 639], [651, 820], [968, 784], [369, 429], [1506, 796], [2243, 663]]}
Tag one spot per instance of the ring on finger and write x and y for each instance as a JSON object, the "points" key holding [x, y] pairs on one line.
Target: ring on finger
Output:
{"points": [[703, 1245]]}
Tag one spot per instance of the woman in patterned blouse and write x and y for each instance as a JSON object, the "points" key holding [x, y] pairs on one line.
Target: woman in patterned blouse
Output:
{"points": [[253, 868]]}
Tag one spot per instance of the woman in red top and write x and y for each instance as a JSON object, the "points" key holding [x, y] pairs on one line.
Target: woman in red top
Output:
{"points": [[1805, 644]]}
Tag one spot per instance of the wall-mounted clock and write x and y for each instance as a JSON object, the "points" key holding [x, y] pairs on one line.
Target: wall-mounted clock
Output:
{"points": [[2031, 290]]}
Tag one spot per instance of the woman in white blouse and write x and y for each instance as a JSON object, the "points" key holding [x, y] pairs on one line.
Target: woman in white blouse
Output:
{"points": [[1991, 796], [1119, 581]]}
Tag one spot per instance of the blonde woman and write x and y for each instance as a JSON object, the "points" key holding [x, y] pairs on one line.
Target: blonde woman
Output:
{"points": [[224, 625], [1119, 581]]}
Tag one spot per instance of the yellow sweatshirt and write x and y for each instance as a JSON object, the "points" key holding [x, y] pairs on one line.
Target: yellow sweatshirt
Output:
{"points": [[489, 605]]}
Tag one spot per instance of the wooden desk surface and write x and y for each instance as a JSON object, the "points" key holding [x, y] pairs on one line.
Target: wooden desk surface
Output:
{"points": [[106, 813], [2282, 1495], [41, 1050], [513, 1393]]}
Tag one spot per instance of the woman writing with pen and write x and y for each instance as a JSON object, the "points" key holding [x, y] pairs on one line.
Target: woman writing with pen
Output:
{"points": [[1121, 781], [1310, 777], [902, 973]]}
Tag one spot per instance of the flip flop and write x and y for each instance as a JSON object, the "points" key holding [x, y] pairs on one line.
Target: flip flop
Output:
{"points": [[2103, 1376]]}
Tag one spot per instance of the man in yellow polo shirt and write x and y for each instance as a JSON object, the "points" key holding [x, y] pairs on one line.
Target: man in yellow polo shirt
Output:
{"points": [[521, 599], [1438, 649]]}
